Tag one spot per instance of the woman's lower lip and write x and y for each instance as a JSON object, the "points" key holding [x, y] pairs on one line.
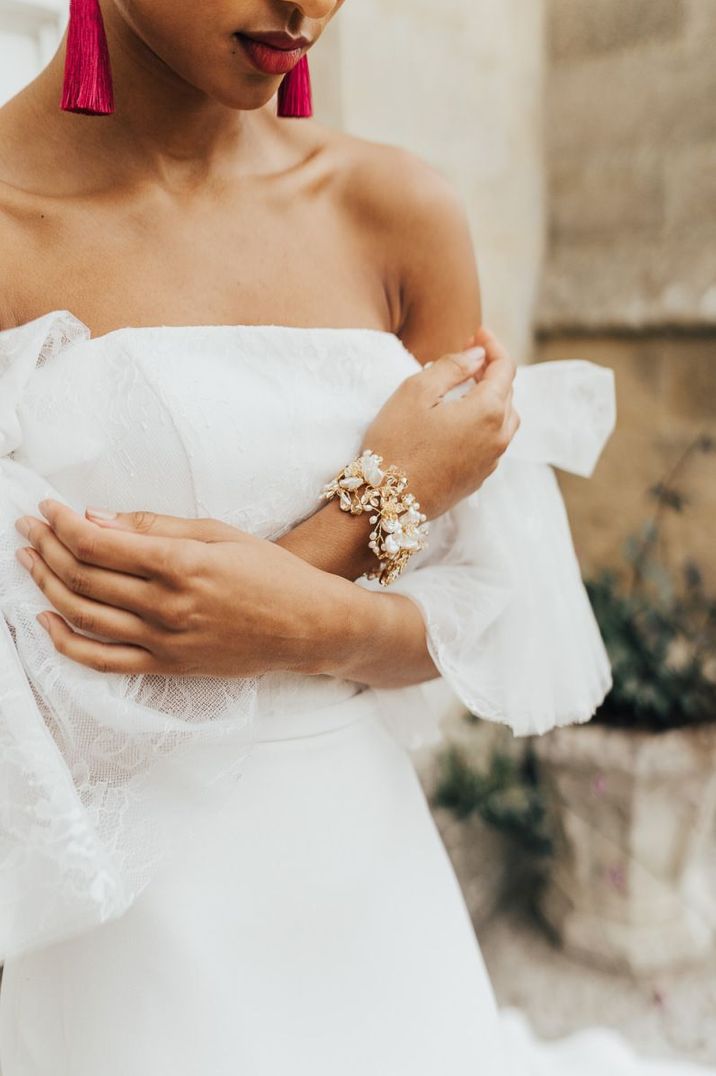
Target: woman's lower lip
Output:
{"points": [[270, 60]]}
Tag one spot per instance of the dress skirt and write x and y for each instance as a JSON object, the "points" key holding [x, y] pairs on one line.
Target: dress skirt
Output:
{"points": [[313, 926]]}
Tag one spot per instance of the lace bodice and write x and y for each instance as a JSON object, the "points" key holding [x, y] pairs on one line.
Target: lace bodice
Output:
{"points": [[239, 423]]}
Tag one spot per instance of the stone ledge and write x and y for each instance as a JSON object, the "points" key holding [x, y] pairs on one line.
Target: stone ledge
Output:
{"points": [[619, 331], [632, 283]]}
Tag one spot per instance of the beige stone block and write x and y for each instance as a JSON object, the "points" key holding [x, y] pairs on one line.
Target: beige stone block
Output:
{"points": [[582, 28], [631, 281], [462, 87], [685, 276], [619, 192], [690, 380], [690, 189], [701, 21], [658, 97], [601, 282]]}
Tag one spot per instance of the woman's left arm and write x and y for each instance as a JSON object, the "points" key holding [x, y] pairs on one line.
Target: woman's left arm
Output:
{"points": [[133, 603]]}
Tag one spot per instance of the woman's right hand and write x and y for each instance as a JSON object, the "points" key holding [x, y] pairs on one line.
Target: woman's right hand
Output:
{"points": [[448, 447]]}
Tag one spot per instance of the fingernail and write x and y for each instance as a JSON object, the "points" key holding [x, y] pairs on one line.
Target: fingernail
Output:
{"points": [[44, 506], [43, 619], [473, 358], [101, 513], [23, 526]]}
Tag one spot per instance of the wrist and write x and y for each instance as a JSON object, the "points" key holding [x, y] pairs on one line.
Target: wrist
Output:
{"points": [[344, 619], [367, 487], [333, 542], [369, 637]]}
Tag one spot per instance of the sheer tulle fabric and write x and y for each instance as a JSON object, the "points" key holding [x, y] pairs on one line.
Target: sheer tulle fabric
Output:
{"points": [[100, 775], [84, 815], [509, 622]]}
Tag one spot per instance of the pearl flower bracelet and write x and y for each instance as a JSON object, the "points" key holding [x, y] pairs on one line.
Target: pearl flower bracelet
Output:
{"points": [[399, 527]]}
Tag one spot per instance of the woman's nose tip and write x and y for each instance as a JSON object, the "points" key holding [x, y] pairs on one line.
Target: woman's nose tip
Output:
{"points": [[316, 9]]}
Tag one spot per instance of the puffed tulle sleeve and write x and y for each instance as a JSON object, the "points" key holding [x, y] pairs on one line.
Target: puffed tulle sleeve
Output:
{"points": [[99, 774], [508, 620]]}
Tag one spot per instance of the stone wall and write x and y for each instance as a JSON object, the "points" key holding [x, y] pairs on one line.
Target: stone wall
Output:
{"points": [[666, 391], [461, 84], [630, 274], [631, 143]]}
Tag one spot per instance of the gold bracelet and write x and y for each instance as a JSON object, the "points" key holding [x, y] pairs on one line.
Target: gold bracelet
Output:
{"points": [[399, 527]]}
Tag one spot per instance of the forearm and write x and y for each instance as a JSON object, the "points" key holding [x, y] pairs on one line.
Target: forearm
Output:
{"points": [[370, 637], [333, 541], [374, 638]]}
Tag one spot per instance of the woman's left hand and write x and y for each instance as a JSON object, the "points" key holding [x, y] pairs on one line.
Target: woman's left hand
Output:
{"points": [[178, 596]]}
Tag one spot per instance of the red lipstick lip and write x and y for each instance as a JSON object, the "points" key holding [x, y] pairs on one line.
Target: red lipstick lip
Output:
{"points": [[273, 53]]}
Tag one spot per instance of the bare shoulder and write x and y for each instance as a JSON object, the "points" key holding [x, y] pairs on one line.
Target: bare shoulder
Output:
{"points": [[419, 225], [397, 188]]}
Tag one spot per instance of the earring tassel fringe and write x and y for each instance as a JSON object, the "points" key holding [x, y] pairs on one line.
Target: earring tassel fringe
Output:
{"points": [[295, 100], [87, 86]]}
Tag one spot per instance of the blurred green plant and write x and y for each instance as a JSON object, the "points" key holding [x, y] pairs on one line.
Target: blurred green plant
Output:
{"points": [[660, 631], [659, 627], [507, 796]]}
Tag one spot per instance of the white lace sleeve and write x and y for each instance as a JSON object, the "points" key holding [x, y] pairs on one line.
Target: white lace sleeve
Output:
{"points": [[508, 620], [84, 817]]}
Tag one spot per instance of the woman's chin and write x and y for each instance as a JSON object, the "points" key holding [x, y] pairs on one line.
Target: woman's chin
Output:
{"points": [[245, 95]]}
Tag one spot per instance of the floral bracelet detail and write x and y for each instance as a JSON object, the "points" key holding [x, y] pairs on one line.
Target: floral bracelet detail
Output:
{"points": [[399, 527]]}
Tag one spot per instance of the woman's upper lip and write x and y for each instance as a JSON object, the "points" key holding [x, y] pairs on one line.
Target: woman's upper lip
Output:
{"points": [[279, 40]]}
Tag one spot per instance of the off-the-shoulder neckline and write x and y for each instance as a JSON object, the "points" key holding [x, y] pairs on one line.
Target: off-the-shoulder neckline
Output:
{"points": [[225, 327]]}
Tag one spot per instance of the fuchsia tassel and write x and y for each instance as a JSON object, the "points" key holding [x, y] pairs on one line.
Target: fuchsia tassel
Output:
{"points": [[295, 100], [87, 86]]}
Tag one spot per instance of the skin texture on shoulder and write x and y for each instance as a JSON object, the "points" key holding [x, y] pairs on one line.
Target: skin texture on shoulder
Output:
{"points": [[421, 240]]}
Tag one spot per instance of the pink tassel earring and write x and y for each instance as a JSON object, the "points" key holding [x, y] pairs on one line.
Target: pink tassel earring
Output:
{"points": [[87, 85], [295, 100]]}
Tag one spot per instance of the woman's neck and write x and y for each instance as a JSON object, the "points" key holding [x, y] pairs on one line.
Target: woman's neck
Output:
{"points": [[163, 129]]}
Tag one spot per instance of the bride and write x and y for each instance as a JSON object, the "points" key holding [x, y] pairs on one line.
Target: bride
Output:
{"points": [[218, 329]]}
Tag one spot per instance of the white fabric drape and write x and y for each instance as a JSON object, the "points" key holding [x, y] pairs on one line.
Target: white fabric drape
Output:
{"points": [[101, 774]]}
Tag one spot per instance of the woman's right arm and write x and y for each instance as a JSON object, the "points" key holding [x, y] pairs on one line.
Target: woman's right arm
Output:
{"points": [[446, 447], [414, 224]]}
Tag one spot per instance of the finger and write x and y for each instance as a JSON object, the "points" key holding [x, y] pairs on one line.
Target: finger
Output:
{"points": [[144, 522], [514, 423], [450, 371], [500, 368], [494, 348], [82, 613], [510, 427], [501, 396], [137, 554], [103, 657], [112, 588]]}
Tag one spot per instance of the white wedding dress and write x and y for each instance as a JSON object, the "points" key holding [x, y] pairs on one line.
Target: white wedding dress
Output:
{"points": [[242, 878]]}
